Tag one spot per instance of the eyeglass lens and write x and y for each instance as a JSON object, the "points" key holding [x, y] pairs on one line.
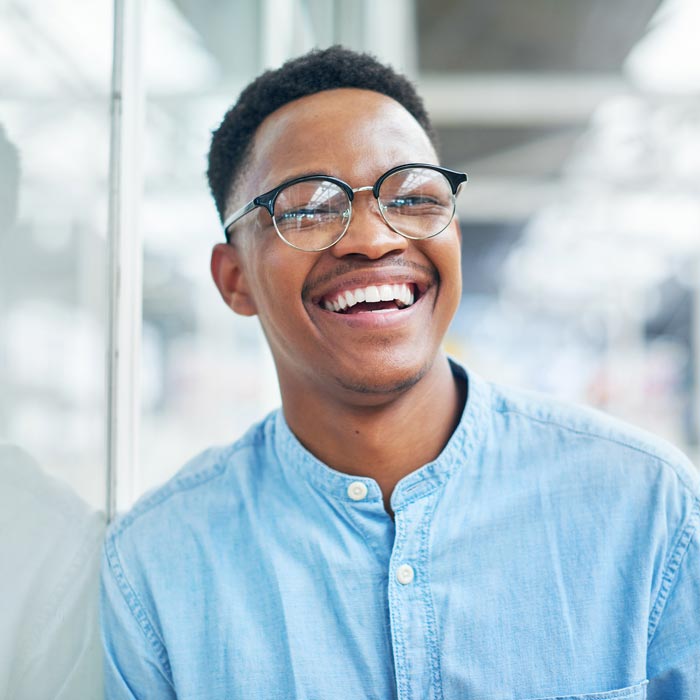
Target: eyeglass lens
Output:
{"points": [[314, 214], [417, 202]]}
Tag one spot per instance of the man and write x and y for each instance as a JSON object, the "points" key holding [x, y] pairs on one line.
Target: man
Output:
{"points": [[401, 528]]}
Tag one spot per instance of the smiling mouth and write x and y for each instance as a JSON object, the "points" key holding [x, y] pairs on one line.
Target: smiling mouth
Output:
{"points": [[380, 298]]}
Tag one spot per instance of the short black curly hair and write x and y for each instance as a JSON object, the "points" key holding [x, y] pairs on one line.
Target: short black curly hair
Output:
{"points": [[318, 70]]}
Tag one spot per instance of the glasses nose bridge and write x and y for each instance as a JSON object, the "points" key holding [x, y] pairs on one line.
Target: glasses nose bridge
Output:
{"points": [[366, 188], [370, 242]]}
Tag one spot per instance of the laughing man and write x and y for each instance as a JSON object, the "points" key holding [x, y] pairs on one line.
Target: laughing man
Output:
{"points": [[400, 528]]}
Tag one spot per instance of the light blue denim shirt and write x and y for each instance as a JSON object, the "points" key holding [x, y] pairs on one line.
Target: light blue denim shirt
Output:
{"points": [[549, 552]]}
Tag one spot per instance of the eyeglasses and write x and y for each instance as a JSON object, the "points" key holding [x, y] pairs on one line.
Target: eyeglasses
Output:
{"points": [[312, 213]]}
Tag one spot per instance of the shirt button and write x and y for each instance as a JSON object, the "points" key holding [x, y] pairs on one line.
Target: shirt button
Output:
{"points": [[405, 574], [357, 490]]}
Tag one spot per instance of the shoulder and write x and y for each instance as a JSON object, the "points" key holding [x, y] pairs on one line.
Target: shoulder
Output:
{"points": [[601, 476], [210, 481], [588, 438]]}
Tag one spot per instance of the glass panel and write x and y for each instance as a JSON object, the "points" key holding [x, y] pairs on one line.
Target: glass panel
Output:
{"points": [[55, 66]]}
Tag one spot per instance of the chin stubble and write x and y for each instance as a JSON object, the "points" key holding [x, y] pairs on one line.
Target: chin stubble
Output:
{"points": [[367, 387]]}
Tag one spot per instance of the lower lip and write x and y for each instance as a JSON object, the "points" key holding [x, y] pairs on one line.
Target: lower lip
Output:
{"points": [[374, 319]]}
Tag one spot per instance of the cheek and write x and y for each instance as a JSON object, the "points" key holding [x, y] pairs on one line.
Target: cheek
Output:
{"points": [[447, 258], [449, 267], [277, 289]]}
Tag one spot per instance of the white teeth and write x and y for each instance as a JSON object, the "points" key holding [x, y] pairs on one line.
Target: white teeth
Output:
{"points": [[402, 293], [386, 293], [372, 294]]}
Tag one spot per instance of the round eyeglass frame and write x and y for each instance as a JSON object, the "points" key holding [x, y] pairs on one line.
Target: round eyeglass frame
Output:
{"points": [[267, 201]]}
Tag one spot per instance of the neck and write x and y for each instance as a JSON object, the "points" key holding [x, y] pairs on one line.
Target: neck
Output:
{"points": [[385, 441]]}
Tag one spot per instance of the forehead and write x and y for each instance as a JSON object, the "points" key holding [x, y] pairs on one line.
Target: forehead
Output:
{"points": [[350, 133]]}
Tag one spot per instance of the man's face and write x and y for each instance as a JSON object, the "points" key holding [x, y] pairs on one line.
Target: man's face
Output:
{"points": [[365, 356]]}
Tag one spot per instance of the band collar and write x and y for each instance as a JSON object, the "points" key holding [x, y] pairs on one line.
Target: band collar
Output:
{"points": [[460, 451]]}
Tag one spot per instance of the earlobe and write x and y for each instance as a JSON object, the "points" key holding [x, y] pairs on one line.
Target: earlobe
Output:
{"points": [[230, 279]]}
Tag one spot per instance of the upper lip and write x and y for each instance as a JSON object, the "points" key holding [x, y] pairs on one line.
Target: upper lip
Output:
{"points": [[364, 278]]}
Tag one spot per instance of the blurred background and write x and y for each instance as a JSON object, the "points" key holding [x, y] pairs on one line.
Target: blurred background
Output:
{"points": [[579, 126]]}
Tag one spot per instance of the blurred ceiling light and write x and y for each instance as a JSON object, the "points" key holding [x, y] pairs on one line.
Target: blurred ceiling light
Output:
{"points": [[174, 56], [60, 47], [668, 58], [64, 48]]}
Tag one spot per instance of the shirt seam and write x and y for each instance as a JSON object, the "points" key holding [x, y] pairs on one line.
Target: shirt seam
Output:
{"points": [[681, 477], [621, 694], [180, 484], [670, 574], [431, 622], [436, 483], [136, 608], [402, 664]]}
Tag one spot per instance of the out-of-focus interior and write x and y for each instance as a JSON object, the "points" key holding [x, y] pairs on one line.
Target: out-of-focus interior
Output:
{"points": [[578, 124]]}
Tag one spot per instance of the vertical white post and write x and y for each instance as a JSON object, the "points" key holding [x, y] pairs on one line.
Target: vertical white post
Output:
{"points": [[125, 258], [286, 31], [277, 18], [695, 349], [390, 33]]}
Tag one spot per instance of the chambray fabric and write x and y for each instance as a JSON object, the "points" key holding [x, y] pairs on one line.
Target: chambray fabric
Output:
{"points": [[555, 555]]}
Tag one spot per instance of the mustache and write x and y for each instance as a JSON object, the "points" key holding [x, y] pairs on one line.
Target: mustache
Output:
{"points": [[348, 267]]}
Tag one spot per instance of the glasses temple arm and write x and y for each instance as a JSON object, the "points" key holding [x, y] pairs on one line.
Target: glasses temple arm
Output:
{"points": [[238, 215]]}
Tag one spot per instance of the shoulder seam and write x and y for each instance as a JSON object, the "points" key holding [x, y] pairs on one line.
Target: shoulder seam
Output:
{"points": [[136, 608], [179, 484], [673, 564], [681, 477]]}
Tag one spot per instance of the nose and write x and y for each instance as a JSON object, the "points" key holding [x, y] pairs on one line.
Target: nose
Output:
{"points": [[368, 235]]}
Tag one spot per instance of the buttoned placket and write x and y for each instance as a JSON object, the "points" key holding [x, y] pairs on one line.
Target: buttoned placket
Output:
{"points": [[412, 616], [411, 613]]}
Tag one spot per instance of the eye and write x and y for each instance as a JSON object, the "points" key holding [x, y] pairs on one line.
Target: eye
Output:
{"points": [[297, 215], [420, 205], [310, 204], [409, 201], [306, 217]]}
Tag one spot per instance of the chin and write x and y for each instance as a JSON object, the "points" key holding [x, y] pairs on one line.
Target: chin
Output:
{"points": [[388, 381]]}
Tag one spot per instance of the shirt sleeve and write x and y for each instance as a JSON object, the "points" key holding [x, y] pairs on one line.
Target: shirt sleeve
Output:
{"points": [[673, 655], [136, 666]]}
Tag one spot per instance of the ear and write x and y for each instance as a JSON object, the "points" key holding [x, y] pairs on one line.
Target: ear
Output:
{"points": [[230, 279]]}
